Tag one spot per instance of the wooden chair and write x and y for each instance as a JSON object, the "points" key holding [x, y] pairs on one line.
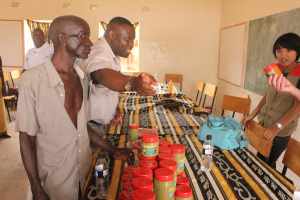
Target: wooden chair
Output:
{"points": [[7, 99], [175, 78], [14, 75], [5, 78], [253, 133], [211, 91], [242, 95], [236, 104], [200, 88], [291, 158]]}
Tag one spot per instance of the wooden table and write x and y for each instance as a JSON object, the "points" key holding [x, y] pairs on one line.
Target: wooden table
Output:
{"points": [[235, 174]]}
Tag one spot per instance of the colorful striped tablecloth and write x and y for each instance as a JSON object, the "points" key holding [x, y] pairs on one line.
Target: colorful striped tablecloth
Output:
{"points": [[235, 174]]}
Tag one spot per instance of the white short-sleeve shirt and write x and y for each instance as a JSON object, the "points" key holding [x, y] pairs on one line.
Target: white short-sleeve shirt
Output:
{"points": [[37, 56], [103, 100]]}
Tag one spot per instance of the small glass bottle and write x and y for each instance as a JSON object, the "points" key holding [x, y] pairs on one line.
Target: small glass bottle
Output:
{"points": [[170, 87], [207, 154]]}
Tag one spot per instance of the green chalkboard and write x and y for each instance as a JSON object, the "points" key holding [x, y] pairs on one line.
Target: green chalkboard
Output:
{"points": [[262, 35]]}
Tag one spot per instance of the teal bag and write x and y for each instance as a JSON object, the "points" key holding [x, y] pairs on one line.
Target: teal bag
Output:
{"points": [[225, 132]]}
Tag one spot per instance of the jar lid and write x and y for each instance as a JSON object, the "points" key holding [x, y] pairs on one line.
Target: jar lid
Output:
{"points": [[125, 195], [142, 182], [151, 164], [181, 174], [126, 178], [142, 172], [142, 194], [165, 156], [164, 175], [183, 191], [129, 169], [164, 143], [164, 149], [141, 157], [127, 186], [181, 180], [133, 126], [170, 164], [149, 137], [177, 148], [270, 67]]}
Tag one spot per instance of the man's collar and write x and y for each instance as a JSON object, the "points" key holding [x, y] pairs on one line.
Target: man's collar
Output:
{"points": [[53, 76]]}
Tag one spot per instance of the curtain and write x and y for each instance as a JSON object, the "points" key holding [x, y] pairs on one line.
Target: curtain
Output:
{"points": [[42, 25]]}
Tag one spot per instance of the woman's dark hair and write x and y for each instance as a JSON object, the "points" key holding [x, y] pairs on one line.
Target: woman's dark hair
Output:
{"points": [[288, 41]]}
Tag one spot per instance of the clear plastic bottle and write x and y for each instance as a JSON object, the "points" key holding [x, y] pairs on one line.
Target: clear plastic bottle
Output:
{"points": [[102, 176], [207, 154]]}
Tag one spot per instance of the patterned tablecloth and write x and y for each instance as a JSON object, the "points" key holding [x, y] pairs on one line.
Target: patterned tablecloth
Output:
{"points": [[235, 174]]}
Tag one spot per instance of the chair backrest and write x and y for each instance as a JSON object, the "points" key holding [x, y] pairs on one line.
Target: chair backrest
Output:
{"points": [[236, 104], [14, 75], [291, 157], [176, 78], [242, 95], [253, 133], [201, 86], [210, 90]]}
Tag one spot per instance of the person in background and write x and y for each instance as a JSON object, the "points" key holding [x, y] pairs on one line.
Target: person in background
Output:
{"points": [[40, 53], [3, 121], [281, 84], [52, 117], [279, 112], [103, 67]]}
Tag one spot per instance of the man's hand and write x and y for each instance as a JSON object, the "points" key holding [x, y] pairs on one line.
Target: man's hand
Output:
{"points": [[281, 84], [269, 133], [245, 119], [124, 154], [142, 84], [117, 119]]}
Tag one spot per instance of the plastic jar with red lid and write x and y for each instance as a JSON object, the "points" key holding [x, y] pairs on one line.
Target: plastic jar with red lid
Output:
{"points": [[272, 69], [151, 164], [165, 156], [129, 169], [172, 165], [183, 192], [142, 182], [181, 180], [146, 158], [164, 149], [142, 194], [166, 143], [164, 184], [127, 186], [133, 132], [178, 151], [143, 172], [149, 144], [125, 195], [126, 178]]}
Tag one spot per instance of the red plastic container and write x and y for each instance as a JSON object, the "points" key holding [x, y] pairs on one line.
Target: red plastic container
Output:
{"points": [[126, 178], [142, 194], [127, 186], [164, 149], [151, 164], [181, 174], [177, 148], [142, 172], [183, 191], [142, 183], [146, 158], [166, 143], [165, 156], [181, 180], [129, 169], [125, 195]]}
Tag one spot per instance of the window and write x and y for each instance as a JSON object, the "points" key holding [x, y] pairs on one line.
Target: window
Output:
{"points": [[130, 64]]}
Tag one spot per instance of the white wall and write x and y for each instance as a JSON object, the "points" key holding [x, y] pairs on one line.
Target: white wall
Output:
{"points": [[176, 36], [235, 12]]}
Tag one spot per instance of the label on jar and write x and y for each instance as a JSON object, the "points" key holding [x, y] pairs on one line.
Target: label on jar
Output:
{"points": [[181, 163], [149, 150], [171, 190]]}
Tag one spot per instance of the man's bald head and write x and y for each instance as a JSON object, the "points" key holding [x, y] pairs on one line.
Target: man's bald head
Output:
{"points": [[64, 24]]}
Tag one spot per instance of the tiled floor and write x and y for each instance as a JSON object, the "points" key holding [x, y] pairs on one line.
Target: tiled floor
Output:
{"points": [[13, 178]]}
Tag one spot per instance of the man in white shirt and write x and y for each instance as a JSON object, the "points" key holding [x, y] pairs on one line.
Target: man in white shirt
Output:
{"points": [[103, 67], [40, 53]]}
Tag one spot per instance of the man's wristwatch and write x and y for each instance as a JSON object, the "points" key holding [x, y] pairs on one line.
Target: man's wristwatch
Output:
{"points": [[279, 126], [128, 86]]}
